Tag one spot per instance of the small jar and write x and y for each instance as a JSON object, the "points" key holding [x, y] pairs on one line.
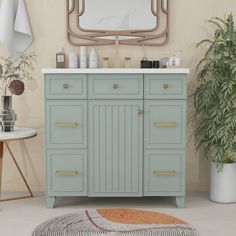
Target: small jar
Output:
{"points": [[156, 64], [145, 63], [128, 62], [164, 62], [105, 62]]}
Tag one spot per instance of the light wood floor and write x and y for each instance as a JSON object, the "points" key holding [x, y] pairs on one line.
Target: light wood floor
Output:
{"points": [[210, 219]]}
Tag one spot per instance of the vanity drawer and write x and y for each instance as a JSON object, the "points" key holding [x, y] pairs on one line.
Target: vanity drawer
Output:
{"points": [[115, 86], [66, 124], [164, 173], [165, 124], [165, 86], [67, 173], [66, 86]]}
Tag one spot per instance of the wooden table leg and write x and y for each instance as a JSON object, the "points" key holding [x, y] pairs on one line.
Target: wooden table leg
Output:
{"points": [[1, 164]]}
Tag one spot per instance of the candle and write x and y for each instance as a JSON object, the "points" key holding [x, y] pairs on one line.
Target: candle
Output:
{"points": [[117, 59]]}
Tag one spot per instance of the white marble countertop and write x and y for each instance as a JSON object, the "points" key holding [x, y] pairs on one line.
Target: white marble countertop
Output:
{"points": [[116, 71], [18, 133]]}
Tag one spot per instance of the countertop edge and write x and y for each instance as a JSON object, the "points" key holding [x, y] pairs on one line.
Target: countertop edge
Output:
{"points": [[115, 71]]}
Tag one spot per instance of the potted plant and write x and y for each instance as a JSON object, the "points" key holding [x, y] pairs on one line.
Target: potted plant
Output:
{"points": [[12, 74], [215, 109]]}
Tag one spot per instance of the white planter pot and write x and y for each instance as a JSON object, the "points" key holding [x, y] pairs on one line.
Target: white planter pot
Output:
{"points": [[222, 184]]}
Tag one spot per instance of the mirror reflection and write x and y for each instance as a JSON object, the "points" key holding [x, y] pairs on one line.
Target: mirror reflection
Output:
{"points": [[117, 15]]}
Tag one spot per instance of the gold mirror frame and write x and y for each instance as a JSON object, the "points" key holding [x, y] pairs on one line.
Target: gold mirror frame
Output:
{"points": [[137, 37]]}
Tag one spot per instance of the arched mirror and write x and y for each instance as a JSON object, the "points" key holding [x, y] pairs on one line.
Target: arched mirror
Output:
{"points": [[131, 22]]}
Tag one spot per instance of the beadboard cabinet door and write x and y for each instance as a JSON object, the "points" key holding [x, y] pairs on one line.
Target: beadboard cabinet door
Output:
{"points": [[116, 148]]}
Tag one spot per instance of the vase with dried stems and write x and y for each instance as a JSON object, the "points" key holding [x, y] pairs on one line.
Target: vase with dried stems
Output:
{"points": [[12, 74]]}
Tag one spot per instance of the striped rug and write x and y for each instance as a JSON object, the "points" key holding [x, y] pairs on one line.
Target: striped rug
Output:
{"points": [[113, 222]]}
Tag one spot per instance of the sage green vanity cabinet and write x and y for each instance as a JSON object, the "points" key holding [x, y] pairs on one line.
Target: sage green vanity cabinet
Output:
{"points": [[115, 133]]}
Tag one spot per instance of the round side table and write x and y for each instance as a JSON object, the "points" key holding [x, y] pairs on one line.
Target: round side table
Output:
{"points": [[17, 134]]}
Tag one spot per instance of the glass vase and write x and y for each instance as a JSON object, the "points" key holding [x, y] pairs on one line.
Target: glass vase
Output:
{"points": [[7, 115]]}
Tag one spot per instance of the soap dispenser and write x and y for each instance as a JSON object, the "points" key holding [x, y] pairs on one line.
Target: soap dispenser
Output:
{"points": [[60, 58]]}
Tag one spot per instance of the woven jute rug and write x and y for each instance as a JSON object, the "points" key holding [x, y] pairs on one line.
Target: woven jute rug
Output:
{"points": [[114, 222]]}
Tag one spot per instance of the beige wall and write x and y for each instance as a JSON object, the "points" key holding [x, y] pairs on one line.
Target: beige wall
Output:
{"points": [[187, 27]]}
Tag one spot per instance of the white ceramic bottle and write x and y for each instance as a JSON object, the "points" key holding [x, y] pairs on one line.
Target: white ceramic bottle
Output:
{"points": [[83, 57], [73, 60], [93, 59]]}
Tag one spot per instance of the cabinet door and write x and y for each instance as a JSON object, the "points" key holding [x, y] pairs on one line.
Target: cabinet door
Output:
{"points": [[165, 124], [116, 146]]}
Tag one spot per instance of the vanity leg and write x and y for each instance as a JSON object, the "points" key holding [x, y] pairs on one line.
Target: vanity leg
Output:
{"points": [[50, 201], [180, 201]]}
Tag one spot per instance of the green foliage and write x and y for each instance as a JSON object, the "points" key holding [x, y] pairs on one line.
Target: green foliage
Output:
{"points": [[215, 96], [20, 69]]}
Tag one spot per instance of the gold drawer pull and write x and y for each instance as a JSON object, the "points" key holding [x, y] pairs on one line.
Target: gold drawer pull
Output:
{"points": [[164, 124], [140, 111], [161, 173], [115, 86], [67, 173], [65, 86], [67, 124], [165, 86]]}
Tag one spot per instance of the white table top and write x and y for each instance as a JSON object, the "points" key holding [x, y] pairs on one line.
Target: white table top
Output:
{"points": [[116, 71], [18, 133]]}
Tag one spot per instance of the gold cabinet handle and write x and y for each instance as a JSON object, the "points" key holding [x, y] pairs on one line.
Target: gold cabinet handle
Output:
{"points": [[164, 124], [67, 124], [161, 173], [65, 86], [165, 86], [67, 173], [115, 86], [140, 111]]}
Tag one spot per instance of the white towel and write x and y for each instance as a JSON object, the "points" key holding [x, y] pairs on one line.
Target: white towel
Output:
{"points": [[15, 29]]}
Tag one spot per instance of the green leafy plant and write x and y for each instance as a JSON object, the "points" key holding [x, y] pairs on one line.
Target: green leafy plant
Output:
{"points": [[215, 95], [13, 72]]}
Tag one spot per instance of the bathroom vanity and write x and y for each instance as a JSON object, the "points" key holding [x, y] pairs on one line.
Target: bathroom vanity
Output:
{"points": [[115, 133]]}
